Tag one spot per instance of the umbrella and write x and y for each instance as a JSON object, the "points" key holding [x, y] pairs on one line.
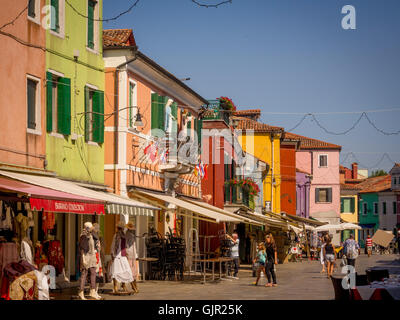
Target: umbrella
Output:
{"points": [[329, 227], [350, 226]]}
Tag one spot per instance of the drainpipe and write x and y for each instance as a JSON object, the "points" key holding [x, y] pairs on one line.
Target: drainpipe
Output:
{"points": [[116, 116], [272, 172]]}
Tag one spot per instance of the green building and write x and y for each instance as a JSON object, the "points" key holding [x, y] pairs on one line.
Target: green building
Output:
{"points": [[75, 83], [75, 91]]}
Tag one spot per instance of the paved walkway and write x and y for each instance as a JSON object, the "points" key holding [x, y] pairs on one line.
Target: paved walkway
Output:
{"points": [[296, 280]]}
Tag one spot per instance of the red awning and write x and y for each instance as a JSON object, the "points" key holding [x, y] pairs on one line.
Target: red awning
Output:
{"points": [[53, 200]]}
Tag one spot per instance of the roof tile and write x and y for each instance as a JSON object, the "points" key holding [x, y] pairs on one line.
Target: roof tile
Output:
{"points": [[118, 38], [310, 143], [248, 124]]}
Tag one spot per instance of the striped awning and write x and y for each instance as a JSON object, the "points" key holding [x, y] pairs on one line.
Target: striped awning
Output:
{"points": [[114, 208]]}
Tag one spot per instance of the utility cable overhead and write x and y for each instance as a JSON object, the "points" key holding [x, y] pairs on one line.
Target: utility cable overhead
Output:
{"points": [[134, 4], [211, 5], [16, 18]]}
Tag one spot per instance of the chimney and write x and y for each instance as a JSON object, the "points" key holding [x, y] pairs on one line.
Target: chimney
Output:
{"points": [[354, 170]]}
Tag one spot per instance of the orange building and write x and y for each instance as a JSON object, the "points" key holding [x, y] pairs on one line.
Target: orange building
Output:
{"points": [[288, 174], [22, 86], [141, 99]]}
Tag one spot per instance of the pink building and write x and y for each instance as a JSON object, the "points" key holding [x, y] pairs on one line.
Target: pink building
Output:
{"points": [[22, 83], [321, 160]]}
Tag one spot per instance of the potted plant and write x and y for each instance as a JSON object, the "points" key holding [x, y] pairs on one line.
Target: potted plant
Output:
{"points": [[226, 104]]}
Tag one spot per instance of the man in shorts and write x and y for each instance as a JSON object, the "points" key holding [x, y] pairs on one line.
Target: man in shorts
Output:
{"points": [[368, 243]]}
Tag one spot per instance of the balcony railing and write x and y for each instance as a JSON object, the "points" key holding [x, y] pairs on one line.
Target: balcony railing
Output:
{"points": [[238, 195], [214, 112]]}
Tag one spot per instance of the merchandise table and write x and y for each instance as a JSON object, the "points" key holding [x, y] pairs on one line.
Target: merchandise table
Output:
{"points": [[377, 291]]}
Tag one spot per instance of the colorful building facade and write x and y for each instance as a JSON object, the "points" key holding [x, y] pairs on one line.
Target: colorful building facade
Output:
{"points": [[22, 86], [263, 142]]}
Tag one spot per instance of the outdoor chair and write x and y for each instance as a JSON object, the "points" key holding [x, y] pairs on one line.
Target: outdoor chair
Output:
{"points": [[376, 274], [340, 292]]}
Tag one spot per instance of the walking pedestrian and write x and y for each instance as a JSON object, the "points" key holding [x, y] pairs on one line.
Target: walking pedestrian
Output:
{"points": [[329, 255], [234, 253], [272, 260], [260, 260], [368, 242], [351, 250], [321, 254]]}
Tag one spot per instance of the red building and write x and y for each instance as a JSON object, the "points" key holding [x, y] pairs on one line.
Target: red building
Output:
{"points": [[288, 174]]}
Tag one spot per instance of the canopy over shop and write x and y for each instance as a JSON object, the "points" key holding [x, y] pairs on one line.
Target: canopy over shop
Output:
{"points": [[51, 227]]}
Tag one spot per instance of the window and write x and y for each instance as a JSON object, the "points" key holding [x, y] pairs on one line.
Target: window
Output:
{"points": [[376, 208], [384, 207], [365, 208], [33, 104], [157, 111], [323, 195], [323, 160], [90, 21], [31, 9], [347, 205], [94, 115], [394, 207], [58, 108], [132, 103], [55, 16], [395, 180]]}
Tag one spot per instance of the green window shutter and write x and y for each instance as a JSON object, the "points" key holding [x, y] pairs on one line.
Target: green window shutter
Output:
{"points": [[352, 205], [341, 205], [90, 30], [55, 17], [189, 124], [329, 190], [316, 194], [98, 116], [154, 110], [49, 102], [161, 112], [64, 106], [174, 113], [199, 129], [31, 8], [87, 116]]}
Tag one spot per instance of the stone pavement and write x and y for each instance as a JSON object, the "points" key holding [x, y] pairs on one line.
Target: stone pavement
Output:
{"points": [[296, 280]]}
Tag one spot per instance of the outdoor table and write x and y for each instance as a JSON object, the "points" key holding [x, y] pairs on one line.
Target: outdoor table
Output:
{"points": [[212, 261], [143, 260], [378, 290]]}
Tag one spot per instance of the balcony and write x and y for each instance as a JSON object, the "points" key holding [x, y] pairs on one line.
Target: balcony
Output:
{"points": [[214, 112], [235, 196]]}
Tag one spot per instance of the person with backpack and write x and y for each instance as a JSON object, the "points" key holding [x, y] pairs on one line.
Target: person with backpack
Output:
{"points": [[351, 250]]}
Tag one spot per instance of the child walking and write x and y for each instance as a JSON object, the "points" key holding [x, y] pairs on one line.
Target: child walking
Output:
{"points": [[261, 258]]}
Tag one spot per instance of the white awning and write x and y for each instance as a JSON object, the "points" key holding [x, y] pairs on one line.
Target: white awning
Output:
{"points": [[222, 211], [188, 206], [116, 204]]}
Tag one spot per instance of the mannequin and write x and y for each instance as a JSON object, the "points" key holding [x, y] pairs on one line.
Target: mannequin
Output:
{"points": [[88, 261], [27, 250], [120, 269], [131, 254]]}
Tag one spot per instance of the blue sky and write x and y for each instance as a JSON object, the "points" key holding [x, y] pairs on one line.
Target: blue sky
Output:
{"points": [[287, 56]]}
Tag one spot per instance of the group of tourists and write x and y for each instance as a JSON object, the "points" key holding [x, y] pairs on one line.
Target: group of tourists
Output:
{"points": [[123, 268], [266, 260], [328, 253]]}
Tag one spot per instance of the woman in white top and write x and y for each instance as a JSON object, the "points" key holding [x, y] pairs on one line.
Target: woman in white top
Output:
{"points": [[322, 259]]}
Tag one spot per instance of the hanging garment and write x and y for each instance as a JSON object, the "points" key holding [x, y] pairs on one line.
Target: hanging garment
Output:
{"points": [[26, 252], [55, 256], [21, 226], [8, 254], [48, 221], [31, 221], [5, 216], [40, 257], [43, 285]]}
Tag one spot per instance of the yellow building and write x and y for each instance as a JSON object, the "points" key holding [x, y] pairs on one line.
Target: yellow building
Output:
{"points": [[263, 142], [349, 207]]}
